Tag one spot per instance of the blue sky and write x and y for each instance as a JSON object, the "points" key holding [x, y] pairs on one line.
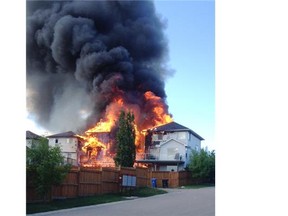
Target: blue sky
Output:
{"points": [[190, 91]]}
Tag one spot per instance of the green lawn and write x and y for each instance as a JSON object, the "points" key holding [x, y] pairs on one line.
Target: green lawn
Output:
{"points": [[197, 186], [91, 200]]}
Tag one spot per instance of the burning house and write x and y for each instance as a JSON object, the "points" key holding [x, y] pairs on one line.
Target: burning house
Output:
{"points": [[87, 61], [168, 147], [165, 148]]}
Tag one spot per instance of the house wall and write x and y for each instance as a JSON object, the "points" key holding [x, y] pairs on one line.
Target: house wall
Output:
{"points": [[189, 141], [169, 150], [193, 143], [29, 142], [68, 146], [181, 136]]}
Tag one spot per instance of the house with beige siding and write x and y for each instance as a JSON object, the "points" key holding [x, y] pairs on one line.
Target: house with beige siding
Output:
{"points": [[69, 145]]}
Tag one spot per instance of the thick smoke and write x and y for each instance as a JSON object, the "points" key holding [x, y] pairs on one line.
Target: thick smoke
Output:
{"points": [[82, 54]]}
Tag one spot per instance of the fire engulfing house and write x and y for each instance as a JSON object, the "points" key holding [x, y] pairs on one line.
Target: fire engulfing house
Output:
{"points": [[168, 147], [89, 150]]}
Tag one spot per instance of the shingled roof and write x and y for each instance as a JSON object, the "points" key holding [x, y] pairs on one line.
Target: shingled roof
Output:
{"points": [[31, 135], [67, 134], [173, 126]]}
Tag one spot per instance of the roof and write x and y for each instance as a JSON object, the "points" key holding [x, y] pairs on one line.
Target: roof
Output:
{"points": [[173, 127], [31, 135], [63, 135]]}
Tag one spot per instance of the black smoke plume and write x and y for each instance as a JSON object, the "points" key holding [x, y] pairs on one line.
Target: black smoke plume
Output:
{"points": [[82, 54]]}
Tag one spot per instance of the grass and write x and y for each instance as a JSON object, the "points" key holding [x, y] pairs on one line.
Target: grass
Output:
{"points": [[197, 186], [144, 192], [91, 200]]}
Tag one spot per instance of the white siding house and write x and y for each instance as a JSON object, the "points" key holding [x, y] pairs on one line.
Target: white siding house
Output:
{"points": [[68, 143], [170, 147]]}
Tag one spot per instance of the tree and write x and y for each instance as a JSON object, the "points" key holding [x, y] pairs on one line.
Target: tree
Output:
{"points": [[45, 166], [125, 140], [202, 166]]}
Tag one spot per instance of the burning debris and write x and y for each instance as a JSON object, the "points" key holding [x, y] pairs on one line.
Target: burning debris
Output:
{"points": [[87, 61]]}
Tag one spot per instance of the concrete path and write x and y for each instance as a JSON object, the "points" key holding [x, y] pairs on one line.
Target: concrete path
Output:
{"points": [[177, 202]]}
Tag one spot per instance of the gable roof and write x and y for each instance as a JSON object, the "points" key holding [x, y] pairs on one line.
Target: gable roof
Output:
{"points": [[63, 135], [170, 140], [31, 135], [174, 127]]}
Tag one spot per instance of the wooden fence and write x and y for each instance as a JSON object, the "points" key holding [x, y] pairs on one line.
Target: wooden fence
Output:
{"points": [[87, 182]]}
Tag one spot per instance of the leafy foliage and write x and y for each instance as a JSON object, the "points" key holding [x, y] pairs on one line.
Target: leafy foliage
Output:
{"points": [[45, 165], [125, 140], [202, 166]]}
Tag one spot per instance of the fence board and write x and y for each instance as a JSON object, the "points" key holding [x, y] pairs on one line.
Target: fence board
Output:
{"points": [[110, 180], [88, 181], [142, 177]]}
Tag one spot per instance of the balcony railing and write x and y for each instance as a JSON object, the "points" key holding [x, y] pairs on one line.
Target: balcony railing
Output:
{"points": [[150, 156]]}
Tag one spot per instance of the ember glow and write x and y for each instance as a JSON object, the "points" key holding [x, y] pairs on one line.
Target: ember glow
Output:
{"points": [[98, 141]]}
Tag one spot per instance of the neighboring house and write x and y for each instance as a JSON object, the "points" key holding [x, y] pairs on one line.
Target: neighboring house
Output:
{"points": [[168, 147], [69, 144], [32, 139]]}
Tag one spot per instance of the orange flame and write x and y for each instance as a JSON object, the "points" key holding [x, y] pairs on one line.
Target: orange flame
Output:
{"points": [[159, 110], [93, 146]]}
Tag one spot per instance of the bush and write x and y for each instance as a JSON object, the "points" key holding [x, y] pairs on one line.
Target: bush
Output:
{"points": [[202, 166], [45, 166]]}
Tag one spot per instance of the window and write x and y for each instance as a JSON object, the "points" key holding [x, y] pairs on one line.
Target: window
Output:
{"points": [[68, 140], [160, 136], [56, 140]]}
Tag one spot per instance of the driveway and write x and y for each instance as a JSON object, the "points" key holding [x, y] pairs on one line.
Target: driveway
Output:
{"points": [[177, 202]]}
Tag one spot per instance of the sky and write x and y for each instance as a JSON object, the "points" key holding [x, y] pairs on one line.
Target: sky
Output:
{"points": [[250, 106], [190, 91]]}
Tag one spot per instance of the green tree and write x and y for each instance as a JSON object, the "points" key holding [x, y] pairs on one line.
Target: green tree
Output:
{"points": [[125, 140], [202, 166], [45, 166]]}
